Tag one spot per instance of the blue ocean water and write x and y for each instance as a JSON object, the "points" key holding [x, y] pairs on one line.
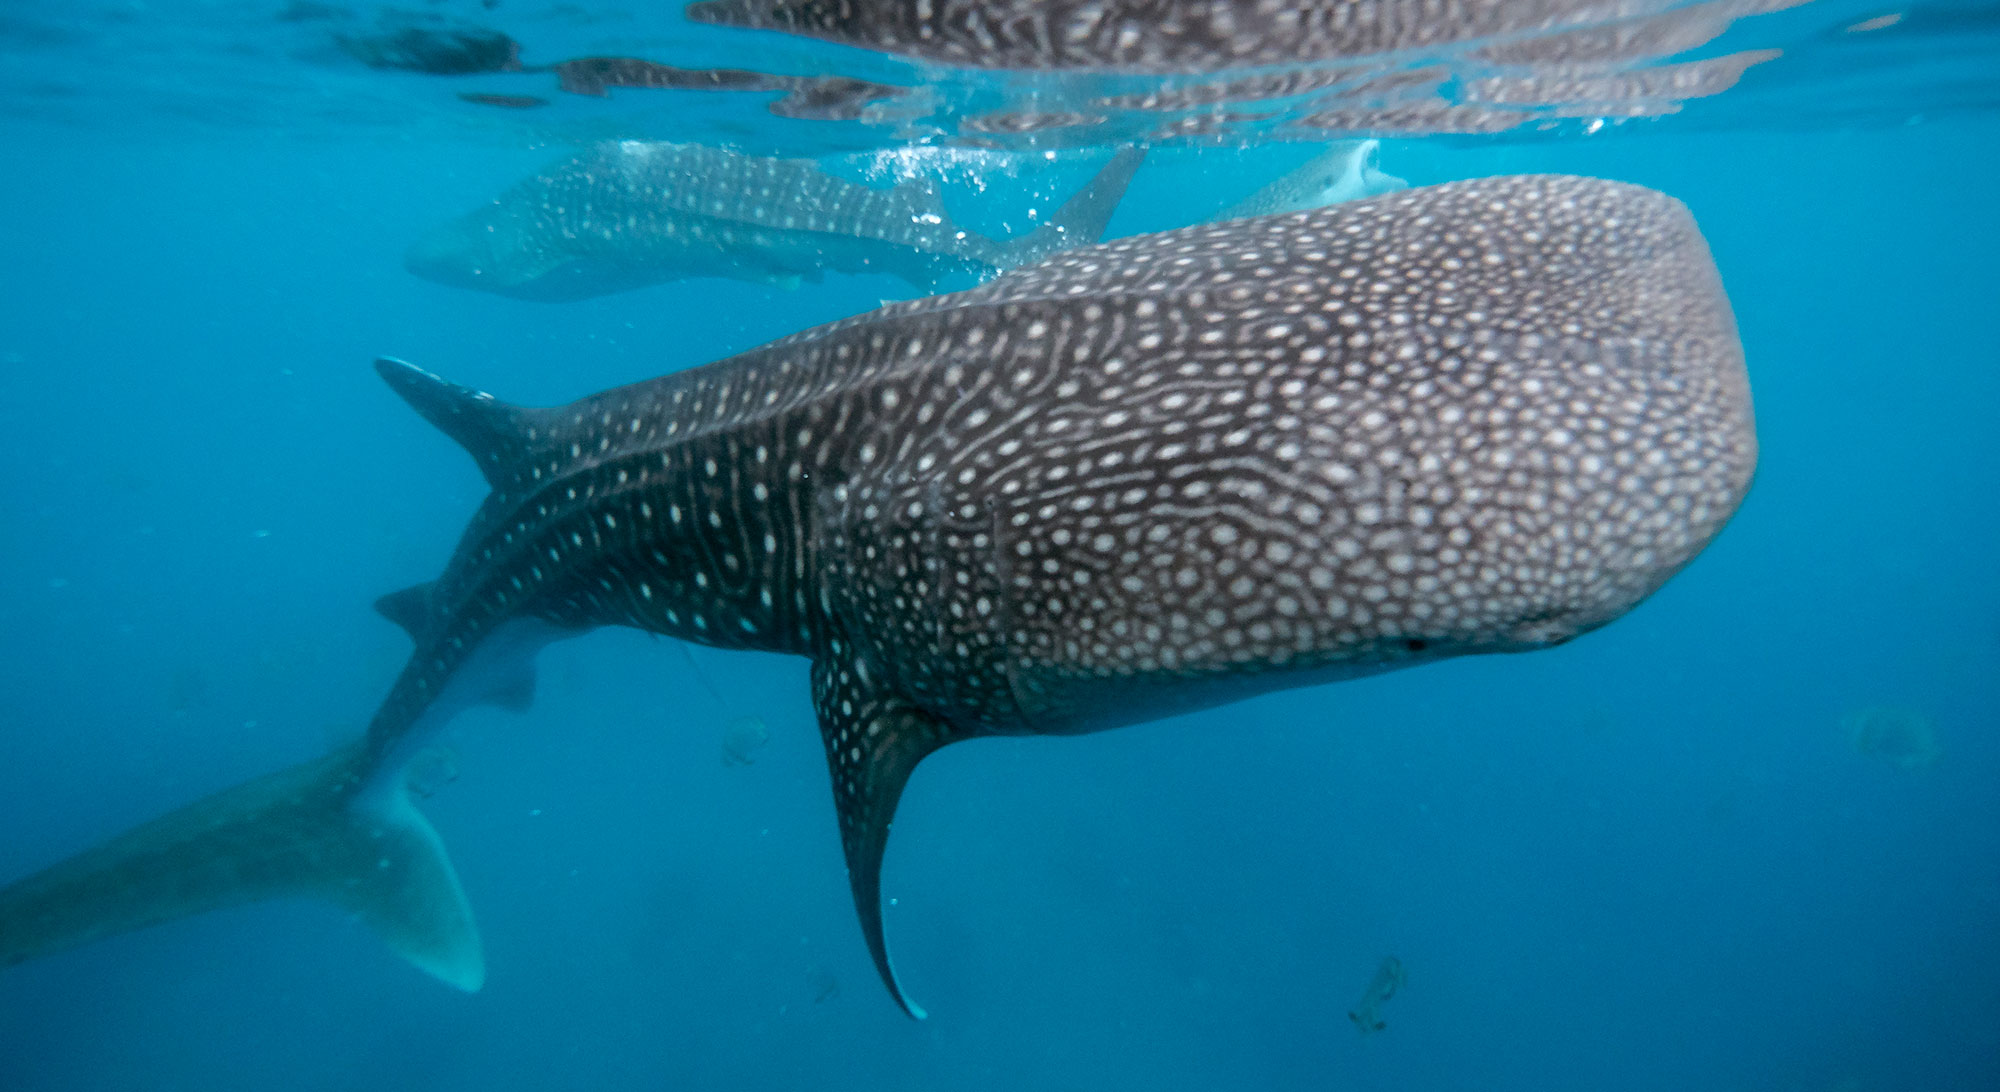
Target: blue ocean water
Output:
{"points": [[1652, 859]]}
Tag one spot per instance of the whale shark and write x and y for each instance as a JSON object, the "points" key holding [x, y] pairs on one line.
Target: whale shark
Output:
{"points": [[634, 213], [1346, 170], [1130, 481]]}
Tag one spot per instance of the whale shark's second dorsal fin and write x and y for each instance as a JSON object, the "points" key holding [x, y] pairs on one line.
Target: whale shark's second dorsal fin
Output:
{"points": [[497, 434], [413, 608], [409, 608]]}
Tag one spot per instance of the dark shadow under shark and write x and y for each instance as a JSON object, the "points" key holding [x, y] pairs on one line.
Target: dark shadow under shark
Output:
{"points": [[1133, 480]]}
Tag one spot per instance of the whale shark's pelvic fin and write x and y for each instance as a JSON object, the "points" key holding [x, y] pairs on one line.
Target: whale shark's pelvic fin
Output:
{"points": [[874, 739], [307, 830], [497, 435]]}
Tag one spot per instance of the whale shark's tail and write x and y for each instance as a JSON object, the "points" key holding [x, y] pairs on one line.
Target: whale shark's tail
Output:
{"points": [[307, 830]]}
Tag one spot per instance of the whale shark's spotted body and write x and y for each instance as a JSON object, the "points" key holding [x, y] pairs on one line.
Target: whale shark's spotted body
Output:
{"points": [[632, 213], [1132, 480]]}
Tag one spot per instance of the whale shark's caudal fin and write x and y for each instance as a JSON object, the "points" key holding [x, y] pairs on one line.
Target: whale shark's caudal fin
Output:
{"points": [[304, 831], [874, 739], [1082, 219]]}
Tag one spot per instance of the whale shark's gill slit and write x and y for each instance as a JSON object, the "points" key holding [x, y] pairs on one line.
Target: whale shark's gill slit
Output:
{"points": [[874, 739]]}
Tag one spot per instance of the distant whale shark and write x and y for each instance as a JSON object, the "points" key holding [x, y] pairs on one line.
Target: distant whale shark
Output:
{"points": [[1347, 170], [634, 213], [1131, 481]]}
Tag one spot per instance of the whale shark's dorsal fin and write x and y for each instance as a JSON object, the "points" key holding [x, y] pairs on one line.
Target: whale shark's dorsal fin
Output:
{"points": [[409, 608], [1081, 220], [922, 196], [497, 434], [874, 738]]}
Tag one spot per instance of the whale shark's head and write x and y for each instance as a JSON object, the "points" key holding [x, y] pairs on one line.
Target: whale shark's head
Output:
{"points": [[480, 250], [1348, 171], [502, 249]]}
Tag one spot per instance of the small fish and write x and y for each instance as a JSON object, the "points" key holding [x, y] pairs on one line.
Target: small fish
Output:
{"points": [[636, 213], [742, 739], [824, 985], [505, 102], [453, 51], [1903, 738], [1367, 1012], [1128, 482], [1346, 171]]}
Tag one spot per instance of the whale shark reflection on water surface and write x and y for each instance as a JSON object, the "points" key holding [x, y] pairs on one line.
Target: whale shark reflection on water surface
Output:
{"points": [[1174, 35], [1129, 481]]}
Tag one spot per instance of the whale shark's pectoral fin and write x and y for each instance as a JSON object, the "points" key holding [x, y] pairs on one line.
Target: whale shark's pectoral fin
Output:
{"points": [[874, 738]]}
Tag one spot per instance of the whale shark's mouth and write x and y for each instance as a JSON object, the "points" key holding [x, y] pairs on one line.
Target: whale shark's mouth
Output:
{"points": [[445, 259]]}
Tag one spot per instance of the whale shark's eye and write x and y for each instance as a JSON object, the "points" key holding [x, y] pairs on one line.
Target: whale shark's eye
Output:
{"points": [[1416, 644]]}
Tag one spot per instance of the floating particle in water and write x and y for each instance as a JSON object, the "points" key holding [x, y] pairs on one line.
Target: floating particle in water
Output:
{"points": [[1367, 1013], [742, 739], [1900, 736]]}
